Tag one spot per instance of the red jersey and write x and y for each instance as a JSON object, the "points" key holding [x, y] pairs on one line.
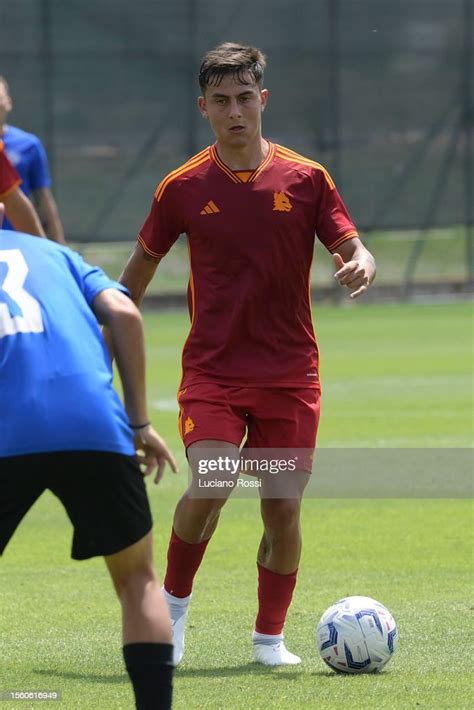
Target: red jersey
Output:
{"points": [[9, 178], [251, 241]]}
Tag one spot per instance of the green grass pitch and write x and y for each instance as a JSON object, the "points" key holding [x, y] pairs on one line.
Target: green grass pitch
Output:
{"points": [[393, 376]]}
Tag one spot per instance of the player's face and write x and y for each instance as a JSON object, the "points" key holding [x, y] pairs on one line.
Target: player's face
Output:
{"points": [[234, 111], [5, 103]]}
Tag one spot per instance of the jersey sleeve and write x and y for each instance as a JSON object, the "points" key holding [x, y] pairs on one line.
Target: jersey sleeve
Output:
{"points": [[9, 178], [38, 169], [91, 279], [164, 223], [333, 222]]}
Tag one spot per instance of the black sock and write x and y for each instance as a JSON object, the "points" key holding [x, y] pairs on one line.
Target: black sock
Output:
{"points": [[150, 667]]}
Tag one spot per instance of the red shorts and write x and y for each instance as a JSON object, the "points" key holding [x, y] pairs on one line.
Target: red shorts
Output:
{"points": [[271, 418]]}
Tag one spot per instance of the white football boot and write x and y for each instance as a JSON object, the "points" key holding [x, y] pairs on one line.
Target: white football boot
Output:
{"points": [[271, 651], [178, 608]]}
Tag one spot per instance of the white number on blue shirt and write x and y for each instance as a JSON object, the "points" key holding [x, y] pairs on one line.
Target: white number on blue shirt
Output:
{"points": [[19, 311]]}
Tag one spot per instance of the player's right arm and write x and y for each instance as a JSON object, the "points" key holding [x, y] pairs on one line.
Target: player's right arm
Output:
{"points": [[138, 272], [159, 232]]}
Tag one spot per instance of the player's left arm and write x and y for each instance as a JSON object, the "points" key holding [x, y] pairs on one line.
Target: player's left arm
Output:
{"points": [[40, 185], [124, 321], [355, 266], [49, 214]]}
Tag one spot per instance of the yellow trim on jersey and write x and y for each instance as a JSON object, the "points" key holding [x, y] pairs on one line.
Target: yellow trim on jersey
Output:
{"points": [[179, 393], [180, 422], [267, 161], [343, 238], [191, 285], [223, 166], [194, 162], [193, 310], [149, 251], [290, 155], [244, 175], [198, 156], [252, 174]]}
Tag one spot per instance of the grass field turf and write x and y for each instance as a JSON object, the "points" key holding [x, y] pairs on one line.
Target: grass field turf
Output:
{"points": [[393, 376]]}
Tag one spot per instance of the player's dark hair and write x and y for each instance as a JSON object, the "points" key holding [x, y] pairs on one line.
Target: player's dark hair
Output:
{"points": [[231, 59]]}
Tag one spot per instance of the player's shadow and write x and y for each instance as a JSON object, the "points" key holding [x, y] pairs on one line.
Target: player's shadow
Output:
{"points": [[256, 669], [90, 677], [247, 669]]}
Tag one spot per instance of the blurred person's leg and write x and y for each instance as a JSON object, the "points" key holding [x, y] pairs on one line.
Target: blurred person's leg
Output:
{"points": [[147, 636]]}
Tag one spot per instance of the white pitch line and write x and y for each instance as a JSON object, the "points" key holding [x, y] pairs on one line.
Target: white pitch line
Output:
{"points": [[165, 405]]}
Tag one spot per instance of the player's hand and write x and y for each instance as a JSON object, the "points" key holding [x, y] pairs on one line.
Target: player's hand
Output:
{"points": [[155, 453], [356, 274]]}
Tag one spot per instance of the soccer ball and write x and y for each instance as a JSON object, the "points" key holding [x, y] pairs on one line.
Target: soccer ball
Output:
{"points": [[357, 635]]}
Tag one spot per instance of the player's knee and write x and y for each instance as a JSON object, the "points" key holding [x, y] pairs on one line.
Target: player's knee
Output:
{"points": [[280, 514], [207, 508], [131, 584]]}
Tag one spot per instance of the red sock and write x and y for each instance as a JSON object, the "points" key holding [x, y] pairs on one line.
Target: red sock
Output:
{"points": [[274, 597], [184, 559]]}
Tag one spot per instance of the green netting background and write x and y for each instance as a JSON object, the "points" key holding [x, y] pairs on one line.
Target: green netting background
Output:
{"points": [[379, 92]]}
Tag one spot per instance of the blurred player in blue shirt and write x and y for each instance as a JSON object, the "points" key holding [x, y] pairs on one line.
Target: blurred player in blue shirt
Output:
{"points": [[18, 207], [63, 428], [27, 154]]}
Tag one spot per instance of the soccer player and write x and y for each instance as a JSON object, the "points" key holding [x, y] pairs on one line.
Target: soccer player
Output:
{"points": [[63, 428], [18, 207], [250, 210], [28, 155]]}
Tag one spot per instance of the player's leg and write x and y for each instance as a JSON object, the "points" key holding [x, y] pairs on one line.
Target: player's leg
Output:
{"points": [[147, 635], [291, 435], [22, 481], [145, 616], [277, 562], [280, 546], [196, 516], [210, 420], [194, 523], [105, 497]]}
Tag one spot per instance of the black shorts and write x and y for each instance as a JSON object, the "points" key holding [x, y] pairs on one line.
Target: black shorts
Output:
{"points": [[104, 495]]}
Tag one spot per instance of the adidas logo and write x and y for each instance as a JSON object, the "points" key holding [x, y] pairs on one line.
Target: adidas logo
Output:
{"points": [[210, 208]]}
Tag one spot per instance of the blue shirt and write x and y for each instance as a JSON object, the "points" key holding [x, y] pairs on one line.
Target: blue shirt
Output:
{"points": [[56, 391], [27, 154]]}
